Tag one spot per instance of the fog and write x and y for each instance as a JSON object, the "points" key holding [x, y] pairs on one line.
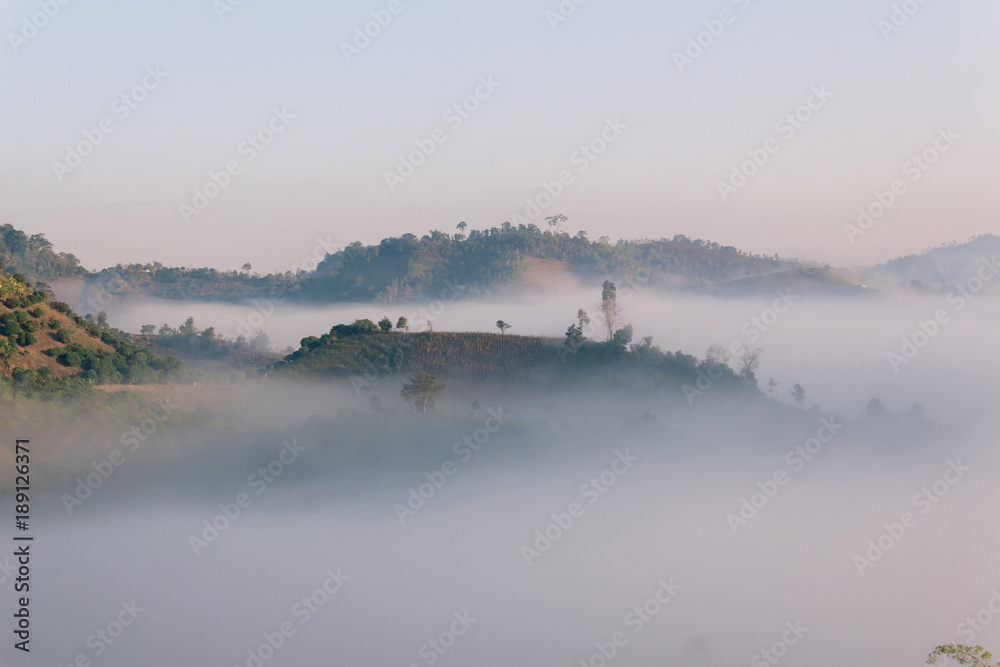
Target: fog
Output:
{"points": [[794, 575], [835, 347]]}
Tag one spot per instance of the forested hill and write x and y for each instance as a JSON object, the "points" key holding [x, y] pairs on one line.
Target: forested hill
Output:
{"points": [[32, 257], [483, 261]]}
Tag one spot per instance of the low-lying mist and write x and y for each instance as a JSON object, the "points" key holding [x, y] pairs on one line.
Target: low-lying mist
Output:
{"points": [[279, 523]]}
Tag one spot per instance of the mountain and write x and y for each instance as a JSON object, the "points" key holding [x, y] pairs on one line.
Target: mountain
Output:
{"points": [[482, 262], [941, 268]]}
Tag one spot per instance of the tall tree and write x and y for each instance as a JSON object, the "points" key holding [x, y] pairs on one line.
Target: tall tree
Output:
{"points": [[502, 326], [402, 324], [611, 316], [421, 388], [385, 324]]}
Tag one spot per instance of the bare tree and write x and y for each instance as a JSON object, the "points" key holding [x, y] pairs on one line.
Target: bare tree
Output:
{"points": [[717, 355], [750, 361]]}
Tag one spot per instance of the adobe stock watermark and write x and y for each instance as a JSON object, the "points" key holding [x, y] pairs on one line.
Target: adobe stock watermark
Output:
{"points": [[779, 649], [752, 329], [302, 611], [225, 7], [562, 12], [973, 625], [584, 156], [449, 294], [121, 109], [914, 168], [631, 283], [703, 40], [248, 150], [464, 450], [264, 308], [105, 637], [133, 438], [31, 25], [927, 330], [900, 16], [435, 647], [787, 127], [635, 620], [592, 490], [924, 501], [797, 458], [454, 116], [363, 35], [258, 482]]}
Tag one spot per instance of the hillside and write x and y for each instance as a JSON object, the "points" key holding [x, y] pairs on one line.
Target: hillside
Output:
{"points": [[941, 268], [467, 360], [32, 257], [43, 343], [798, 281], [481, 262]]}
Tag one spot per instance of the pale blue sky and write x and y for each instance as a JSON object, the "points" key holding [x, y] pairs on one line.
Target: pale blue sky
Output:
{"points": [[324, 175]]}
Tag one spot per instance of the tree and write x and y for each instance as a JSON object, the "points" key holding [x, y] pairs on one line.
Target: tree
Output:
{"points": [[147, 329], [555, 221], [574, 337], [502, 326], [166, 330], [749, 361], [421, 388], [402, 324], [623, 336], [799, 395], [582, 319], [963, 655], [462, 226], [261, 341], [476, 407], [385, 324], [247, 267], [7, 352], [188, 328], [208, 334], [716, 355], [772, 384], [610, 316], [875, 409], [102, 319]]}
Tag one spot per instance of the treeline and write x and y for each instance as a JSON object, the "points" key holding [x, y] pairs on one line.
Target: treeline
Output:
{"points": [[468, 262], [32, 256]]}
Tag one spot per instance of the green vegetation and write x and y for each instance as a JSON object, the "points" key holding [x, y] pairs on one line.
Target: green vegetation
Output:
{"points": [[464, 264], [32, 256], [421, 388], [44, 346], [963, 655]]}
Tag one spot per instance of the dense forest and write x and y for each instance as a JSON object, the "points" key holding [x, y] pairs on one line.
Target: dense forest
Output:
{"points": [[410, 267]]}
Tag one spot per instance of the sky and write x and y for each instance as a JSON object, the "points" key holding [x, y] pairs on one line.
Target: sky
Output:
{"points": [[310, 118]]}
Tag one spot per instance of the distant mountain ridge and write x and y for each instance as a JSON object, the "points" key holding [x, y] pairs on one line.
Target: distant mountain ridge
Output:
{"points": [[501, 259]]}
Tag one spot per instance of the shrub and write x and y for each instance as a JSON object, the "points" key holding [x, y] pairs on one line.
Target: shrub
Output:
{"points": [[53, 323], [21, 316], [25, 338], [64, 336], [60, 306], [35, 312]]}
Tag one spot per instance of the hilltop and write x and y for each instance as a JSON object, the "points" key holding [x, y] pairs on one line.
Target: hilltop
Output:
{"points": [[365, 356]]}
